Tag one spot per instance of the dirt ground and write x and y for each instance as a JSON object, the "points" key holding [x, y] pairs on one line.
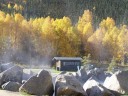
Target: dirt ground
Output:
{"points": [[9, 93]]}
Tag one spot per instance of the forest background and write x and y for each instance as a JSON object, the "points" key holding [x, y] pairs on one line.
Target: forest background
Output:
{"points": [[34, 31]]}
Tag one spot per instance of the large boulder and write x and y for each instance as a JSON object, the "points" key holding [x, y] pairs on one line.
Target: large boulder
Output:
{"points": [[11, 86], [68, 85], [93, 88], [97, 73], [28, 74], [40, 84], [81, 75], [118, 82], [12, 74], [6, 66]]}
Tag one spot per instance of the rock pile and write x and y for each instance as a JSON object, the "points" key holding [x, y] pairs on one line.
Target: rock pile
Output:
{"points": [[92, 82]]}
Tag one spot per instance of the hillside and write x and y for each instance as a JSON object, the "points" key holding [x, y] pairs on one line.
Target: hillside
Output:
{"points": [[117, 9]]}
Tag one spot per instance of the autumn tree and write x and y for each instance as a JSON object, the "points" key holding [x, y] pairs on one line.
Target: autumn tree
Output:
{"points": [[23, 39], [98, 47], [66, 40], [85, 29]]}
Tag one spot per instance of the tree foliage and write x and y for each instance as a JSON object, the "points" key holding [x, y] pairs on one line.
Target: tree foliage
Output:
{"points": [[86, 59], [44, 37], [117, 9], [112, 65]]}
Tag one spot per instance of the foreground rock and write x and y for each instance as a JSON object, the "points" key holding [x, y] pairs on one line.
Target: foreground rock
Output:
{"points": [[11, 86], [93, 88], [27, 75], [83, 75], [40, 84], [118, 82], [97, 73], [68, 85], [13, 74], [6, 66]]}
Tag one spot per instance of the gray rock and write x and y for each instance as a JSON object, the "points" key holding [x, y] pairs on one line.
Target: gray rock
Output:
{"points": [[28, 75], [81, 75], [89, 66], [40, 84], [118, 82], [108, 74], [6, 66], [12, 74], [93, 88], [11, 86], [98, 73], [68, 85]]}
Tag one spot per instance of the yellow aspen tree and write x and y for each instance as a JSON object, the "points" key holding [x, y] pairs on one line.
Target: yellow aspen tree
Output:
{"points": [[107, 23], [84, 25], [18, 17], [16, 7], [2, 15], [111, 41], [9, 6], [47, 34], [85, 29], [63, 39], [123, 41], [37, 23], [95, 44]]}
